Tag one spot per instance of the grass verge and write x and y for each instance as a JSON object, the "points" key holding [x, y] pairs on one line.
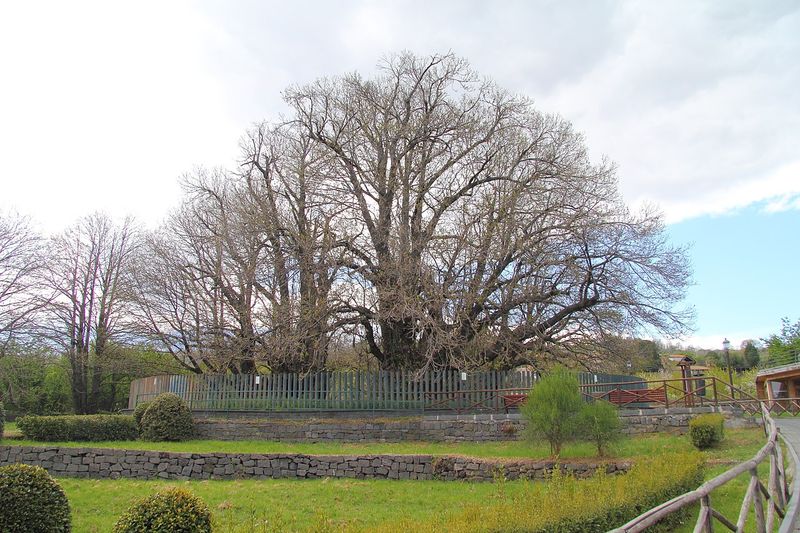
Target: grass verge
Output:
{"points": [[739, 444]]}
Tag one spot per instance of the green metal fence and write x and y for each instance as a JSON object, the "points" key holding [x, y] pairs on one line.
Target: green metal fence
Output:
{"points": [[788, 357], [353, 390]]}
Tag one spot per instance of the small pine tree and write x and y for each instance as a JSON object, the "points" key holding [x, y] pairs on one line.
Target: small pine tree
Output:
{"points": [[600, 424], [553, 409], [751, 356]]}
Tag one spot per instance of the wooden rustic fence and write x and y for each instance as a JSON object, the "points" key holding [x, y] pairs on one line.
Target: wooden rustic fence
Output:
{"points": [[357, 390], [770, 500]]}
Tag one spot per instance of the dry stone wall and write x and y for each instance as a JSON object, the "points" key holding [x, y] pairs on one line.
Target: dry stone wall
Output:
{"points": [[114, 464], [436, 428]]}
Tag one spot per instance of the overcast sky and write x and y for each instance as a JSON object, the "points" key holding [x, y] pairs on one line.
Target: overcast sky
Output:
{"points": [[104, 105]]}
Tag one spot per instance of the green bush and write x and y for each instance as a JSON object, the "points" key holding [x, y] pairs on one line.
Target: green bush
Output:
{"points": [[138, 413], [2, 420], [172, 510], [706, 430], [167, 418], [78, 427], [565, 504], [600, 424], [553, 408], [31, 501]]}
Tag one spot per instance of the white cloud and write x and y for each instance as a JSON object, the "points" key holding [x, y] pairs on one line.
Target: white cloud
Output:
{"points": [[779, 191], [698, 108], [714, 342], [104, 105]]}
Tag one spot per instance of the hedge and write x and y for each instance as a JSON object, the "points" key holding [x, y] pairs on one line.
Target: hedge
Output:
{"points": [[31, 501], [567, 505], [706, 430], [78, 427], [2, 420]]}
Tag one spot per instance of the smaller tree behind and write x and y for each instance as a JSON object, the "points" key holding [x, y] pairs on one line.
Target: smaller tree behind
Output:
{"points": [[553, 409], [600, 424], [751, 357]]}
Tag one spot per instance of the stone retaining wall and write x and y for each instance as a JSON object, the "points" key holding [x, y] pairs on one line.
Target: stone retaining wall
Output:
{"points": [[110, 463], [436, 428]]}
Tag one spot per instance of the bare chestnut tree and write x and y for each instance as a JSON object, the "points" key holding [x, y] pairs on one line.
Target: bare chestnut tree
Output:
{"points": [[173, 308], [87, 269], [425, 214], [21, 299], [280, 185], [478, 230]]}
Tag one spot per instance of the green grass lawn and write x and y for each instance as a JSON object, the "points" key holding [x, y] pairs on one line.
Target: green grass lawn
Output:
{"points": [[728, 498], [314, 505], [286, 505], [740, 444]]}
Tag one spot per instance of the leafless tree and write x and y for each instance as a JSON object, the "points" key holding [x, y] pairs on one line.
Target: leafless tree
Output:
{"points": [[240, 275], [21, 299], [480, 231], [280, 191], [87, 268], [172, 308], [425, 214]]}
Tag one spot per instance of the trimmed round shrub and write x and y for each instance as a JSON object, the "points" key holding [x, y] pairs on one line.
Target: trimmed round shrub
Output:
{"points": [[31, 501], [2, 420], [167, 418], [171, 510], [706, 431], [138, 413]]}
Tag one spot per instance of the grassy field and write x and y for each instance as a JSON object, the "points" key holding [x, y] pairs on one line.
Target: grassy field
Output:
{"points": [[333, 504], [743, 444], [286, 505], [728, 498]]}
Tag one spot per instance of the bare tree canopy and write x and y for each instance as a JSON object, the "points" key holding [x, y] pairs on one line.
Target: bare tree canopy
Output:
{"points": [[88, 269], [485, 233], [20, 265], [426, 214]]}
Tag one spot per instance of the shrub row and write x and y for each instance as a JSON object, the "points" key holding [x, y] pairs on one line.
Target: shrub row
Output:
{"points": [[706, 430], [32, 501], [78, 427], [2, 420], [567, 505], [165, 418]]}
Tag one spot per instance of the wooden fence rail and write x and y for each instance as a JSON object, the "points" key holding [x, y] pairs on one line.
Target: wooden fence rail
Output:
{"points": [[357, 390], [769, 502]]}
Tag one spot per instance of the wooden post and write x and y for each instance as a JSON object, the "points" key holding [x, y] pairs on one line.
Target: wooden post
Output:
{"points": [[716, 398], [761, 525], [705, 522]]}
